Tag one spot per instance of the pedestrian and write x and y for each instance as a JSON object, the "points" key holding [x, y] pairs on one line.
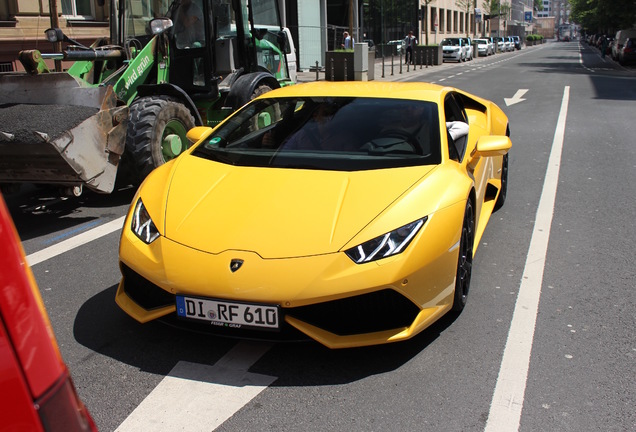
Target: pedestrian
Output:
{"points": [[604, 43], [409, 42], [348, 41]]}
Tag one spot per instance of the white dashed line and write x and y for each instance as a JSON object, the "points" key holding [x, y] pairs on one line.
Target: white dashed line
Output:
{"points": [[73, 242], [199, 398]]}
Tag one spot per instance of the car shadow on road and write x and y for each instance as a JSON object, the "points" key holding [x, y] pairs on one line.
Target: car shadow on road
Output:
{"points": [[40, 211], [156, 348]]}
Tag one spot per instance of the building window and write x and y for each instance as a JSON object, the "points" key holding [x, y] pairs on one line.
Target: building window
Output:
{"points": [[77, 8], [442, 20], [461, 21], [449, 21]]}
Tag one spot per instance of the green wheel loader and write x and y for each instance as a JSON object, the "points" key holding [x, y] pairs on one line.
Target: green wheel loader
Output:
{"points": [[124, 105]]}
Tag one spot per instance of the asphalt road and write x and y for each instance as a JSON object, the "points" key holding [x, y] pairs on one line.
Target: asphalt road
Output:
{"points": [[573, 136]]}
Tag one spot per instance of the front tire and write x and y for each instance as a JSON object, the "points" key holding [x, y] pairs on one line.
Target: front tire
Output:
{"points": [[156, 133], [465, 258]]}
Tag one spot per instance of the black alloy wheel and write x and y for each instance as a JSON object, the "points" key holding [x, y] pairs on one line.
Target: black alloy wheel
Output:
{"points": [[501, 199], [465, 258]]}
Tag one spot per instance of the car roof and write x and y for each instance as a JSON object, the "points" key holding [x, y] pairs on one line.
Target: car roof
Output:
{"points": [[390, 90]]}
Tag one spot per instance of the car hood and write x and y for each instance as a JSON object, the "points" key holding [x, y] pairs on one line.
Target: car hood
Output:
{"points": [[277, 212]]}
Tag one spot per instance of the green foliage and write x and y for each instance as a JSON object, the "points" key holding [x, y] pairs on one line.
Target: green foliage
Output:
{"points": [[494, 7], [604, 15]]}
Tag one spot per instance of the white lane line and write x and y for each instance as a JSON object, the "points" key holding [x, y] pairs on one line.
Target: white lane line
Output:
{"points": [[195, 397], [73, 242], [507, 400]]}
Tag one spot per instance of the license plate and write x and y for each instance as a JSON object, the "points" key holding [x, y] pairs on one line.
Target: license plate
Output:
{"points": [[228, 314]]}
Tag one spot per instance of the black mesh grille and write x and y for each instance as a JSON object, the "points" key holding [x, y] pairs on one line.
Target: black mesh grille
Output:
{"points": [[143, 292], [367, 313]]}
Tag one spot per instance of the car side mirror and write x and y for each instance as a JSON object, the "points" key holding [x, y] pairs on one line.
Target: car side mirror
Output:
{"points": [[282, 41], [490, 146], [160, 25], [197, 133]]}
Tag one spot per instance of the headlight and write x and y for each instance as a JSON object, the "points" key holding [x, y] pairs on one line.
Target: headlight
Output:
{"points": [[142, 225], [386, 245]]}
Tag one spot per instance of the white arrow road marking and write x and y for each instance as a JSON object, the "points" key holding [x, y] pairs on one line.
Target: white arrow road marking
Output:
{"points": [[195, 397], [516, 98], [507, 400]]}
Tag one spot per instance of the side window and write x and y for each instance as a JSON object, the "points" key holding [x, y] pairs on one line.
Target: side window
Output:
{"points": [[454, 111], [189, 28], [77, 8]]}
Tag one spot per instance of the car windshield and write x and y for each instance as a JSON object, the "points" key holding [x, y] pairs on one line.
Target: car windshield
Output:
{"points": [[344, 134], [450, 42]]}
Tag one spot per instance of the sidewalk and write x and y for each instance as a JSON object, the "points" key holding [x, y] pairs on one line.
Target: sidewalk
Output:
{"points": [[395, 74], [390, 74]]}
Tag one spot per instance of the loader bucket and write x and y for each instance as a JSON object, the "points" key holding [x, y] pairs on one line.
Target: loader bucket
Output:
{"points": [[54, 130]]}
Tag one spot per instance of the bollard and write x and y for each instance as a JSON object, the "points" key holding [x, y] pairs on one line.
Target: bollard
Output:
{"points": [[391, 61], [400, 61], [345, 69], [333, 71], [317, 69], [382, 61]]}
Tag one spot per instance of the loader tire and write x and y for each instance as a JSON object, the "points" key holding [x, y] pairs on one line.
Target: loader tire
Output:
{"points": [[157, 128]]}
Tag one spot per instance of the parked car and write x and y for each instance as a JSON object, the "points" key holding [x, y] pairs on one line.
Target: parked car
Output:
{"points": [[517, 42], [453, 49], [38, 393], [627, 53], [398, 44], [501, 46], [492, 44], [510, 45], [619, 40], [483, 47], [468, 48]]}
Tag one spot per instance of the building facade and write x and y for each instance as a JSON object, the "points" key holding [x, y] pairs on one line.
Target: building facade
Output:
{"points": [[316, 25]]}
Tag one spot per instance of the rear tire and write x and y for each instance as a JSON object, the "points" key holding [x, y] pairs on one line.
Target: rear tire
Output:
{"points": [[156, 133], [465, 258], [260, 90], [501, 199]]}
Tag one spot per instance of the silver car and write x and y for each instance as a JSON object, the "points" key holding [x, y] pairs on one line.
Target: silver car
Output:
{"points": [[484, 48], [453, 49], [468, 48]]}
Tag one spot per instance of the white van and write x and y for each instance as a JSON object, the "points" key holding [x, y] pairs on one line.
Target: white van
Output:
{"points": [[290, 53]]}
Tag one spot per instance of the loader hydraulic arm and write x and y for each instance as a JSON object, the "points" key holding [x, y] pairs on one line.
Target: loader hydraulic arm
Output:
{"points": [[34, 63]]}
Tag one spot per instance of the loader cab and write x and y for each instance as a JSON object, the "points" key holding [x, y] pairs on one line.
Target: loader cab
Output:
{"points": [[210, 40], [220, 37]]}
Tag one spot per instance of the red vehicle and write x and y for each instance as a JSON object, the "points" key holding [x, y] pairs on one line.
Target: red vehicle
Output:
{"points": [[37, 393]]}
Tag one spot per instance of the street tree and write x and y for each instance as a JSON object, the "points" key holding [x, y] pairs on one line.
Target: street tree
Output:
{"points": [[603, 15], [426, 18]]}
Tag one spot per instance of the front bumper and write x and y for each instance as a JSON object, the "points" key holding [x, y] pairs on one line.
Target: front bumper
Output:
{"points": [[327, 297], [452, 55]]}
